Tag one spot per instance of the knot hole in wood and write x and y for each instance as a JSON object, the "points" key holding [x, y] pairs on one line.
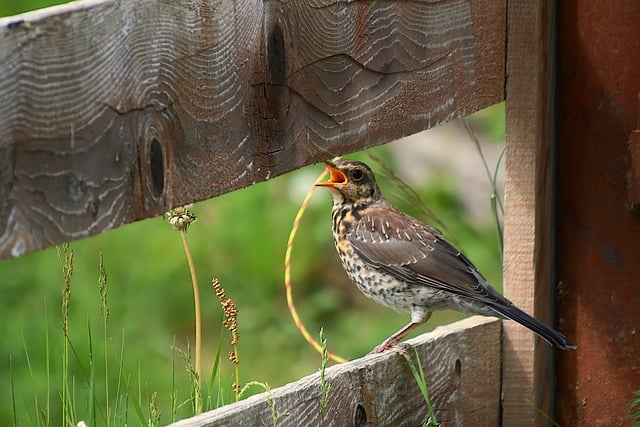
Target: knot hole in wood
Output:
{"points": [[277, 91], [156, 168], [276, 56], [457, 369], [359, 416]]}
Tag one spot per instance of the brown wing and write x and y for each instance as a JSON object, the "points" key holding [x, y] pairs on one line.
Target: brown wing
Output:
{"points": [[402, 246], [416, 253]]}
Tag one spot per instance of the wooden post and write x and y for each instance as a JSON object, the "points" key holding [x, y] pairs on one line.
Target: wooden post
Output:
{"points": [[598, 229], [527, 371]]}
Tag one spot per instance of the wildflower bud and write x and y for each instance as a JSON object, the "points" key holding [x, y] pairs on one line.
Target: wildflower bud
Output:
{"points": [[180, 218]]}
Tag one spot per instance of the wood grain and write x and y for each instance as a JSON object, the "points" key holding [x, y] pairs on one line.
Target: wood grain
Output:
{"points": [[527, 370], [116, 111], [462, 367], [598, 231]]}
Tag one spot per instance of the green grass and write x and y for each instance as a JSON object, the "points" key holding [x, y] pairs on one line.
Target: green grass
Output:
{"points": [[80, 395], [14, 7]]}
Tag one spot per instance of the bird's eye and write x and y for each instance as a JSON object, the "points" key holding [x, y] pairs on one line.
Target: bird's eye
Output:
{"points": [[357, 174]]}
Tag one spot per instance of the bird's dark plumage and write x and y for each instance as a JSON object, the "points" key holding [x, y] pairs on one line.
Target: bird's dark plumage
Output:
{"points": [[405, 264]]}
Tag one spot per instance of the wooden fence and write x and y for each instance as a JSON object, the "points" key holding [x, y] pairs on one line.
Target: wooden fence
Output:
{"points": [[116, 111], [461, 362]]}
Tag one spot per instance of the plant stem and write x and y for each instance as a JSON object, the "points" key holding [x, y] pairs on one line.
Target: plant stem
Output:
{"points": [[237, 369], [104, 311], [325, 387], [496, 203], [198, 332], [66, 256]]}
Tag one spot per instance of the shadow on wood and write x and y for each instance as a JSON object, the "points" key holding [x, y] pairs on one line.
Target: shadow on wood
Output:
{"points": [[461, 363]]}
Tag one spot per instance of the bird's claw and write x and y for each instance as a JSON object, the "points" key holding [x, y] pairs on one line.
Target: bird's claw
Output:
{"points": [[381, 348], [400, 348]]}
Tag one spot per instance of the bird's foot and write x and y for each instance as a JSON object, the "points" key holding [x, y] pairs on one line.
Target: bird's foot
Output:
{"points": [[401, 348], [388, 345]]}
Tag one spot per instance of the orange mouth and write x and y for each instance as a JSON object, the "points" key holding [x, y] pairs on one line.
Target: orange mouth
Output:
{"points": [[337, 176]]}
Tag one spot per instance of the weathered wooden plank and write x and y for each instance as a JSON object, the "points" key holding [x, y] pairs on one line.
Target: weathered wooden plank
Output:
{"points": [[598, 231], [527, 369], [116, 111], [462, 366]]}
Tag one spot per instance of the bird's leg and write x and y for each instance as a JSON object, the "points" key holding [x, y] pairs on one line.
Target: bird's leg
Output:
{"points": [[395, 338], [418, 316]]}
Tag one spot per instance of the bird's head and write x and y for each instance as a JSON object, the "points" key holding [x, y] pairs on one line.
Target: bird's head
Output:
{"points": [[351, 182]]}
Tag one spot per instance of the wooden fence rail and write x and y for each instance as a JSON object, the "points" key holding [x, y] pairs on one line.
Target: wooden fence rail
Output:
{"points": [[114, 111], [461, 363]]}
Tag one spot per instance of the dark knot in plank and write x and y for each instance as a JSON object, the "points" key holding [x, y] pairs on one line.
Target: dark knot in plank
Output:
{"points": [[276, 56], [156, 168]]}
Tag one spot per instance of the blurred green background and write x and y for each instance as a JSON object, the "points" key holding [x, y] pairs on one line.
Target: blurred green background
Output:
{"points": [[241, 239], [13, 7]]}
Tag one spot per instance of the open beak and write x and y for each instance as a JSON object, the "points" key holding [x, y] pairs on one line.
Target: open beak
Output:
{"points": [[337, 177]]}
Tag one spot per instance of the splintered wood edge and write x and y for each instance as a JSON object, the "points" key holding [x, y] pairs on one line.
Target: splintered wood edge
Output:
{"points": [[461, 363]]}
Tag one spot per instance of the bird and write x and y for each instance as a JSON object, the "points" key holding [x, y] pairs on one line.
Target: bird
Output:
{"points": [[405, 264]]}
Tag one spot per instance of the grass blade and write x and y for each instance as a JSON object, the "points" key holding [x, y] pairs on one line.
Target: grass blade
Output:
{"points": [[13, 393], [634, 409], [421, 381], [47, 365], [119, 384], [33, 381], [135, 402], [174, 394], [214, 373], [92, 379]]}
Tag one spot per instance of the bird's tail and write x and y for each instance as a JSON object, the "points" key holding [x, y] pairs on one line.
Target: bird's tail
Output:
{"points": [[553, 337]]}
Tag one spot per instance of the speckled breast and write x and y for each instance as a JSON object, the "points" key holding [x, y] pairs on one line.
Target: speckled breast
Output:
{"points": [[375, 284]]}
